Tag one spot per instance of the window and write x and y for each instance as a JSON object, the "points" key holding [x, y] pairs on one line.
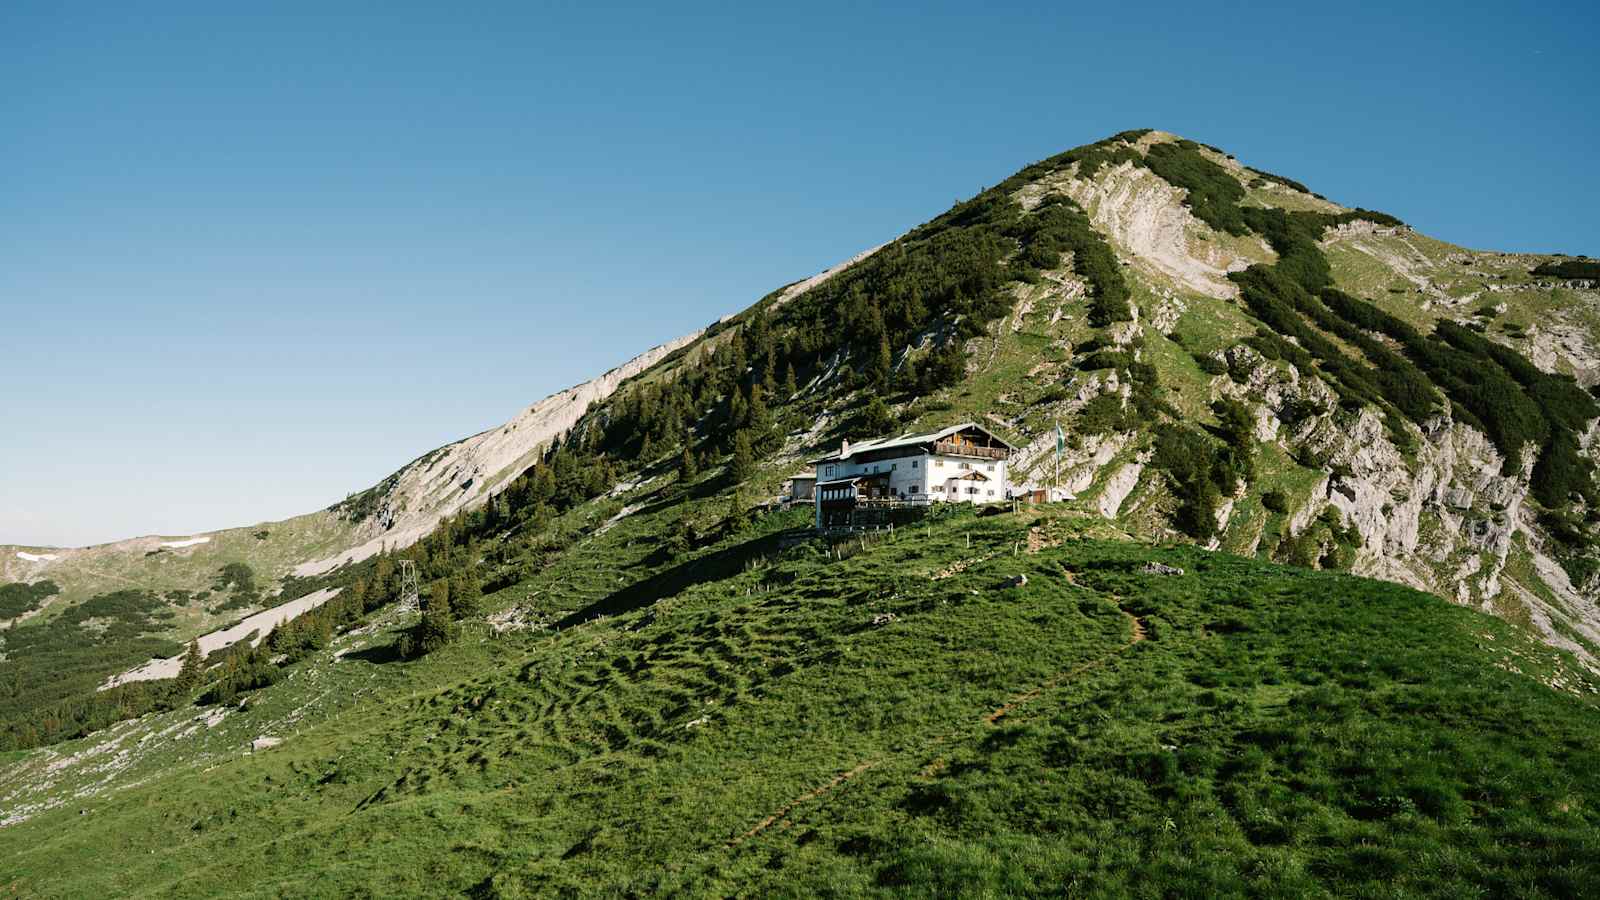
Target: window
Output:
{"points": [[913, 464], [966, 465], [939, 463], [916, 489], [893, 466], [991, 493], [830, 471], [990, 467]]}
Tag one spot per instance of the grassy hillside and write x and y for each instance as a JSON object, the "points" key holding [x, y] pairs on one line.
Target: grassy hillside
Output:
{"points": [[118, 605], [631, 677], [897, 720]]}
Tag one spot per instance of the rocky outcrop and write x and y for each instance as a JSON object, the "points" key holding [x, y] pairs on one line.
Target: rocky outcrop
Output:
{"points": [[1117, 488], [464, 474], [1140, 212]]}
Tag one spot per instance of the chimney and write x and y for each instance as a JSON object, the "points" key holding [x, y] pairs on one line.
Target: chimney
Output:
{"points": [[844, 449]]}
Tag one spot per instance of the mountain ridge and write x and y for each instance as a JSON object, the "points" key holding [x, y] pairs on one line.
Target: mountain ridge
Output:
{"points": [[1141, 284], [636, 672]]}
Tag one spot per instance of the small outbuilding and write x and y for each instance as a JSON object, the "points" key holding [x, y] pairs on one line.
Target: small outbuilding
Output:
{"points": [[803, 485]]}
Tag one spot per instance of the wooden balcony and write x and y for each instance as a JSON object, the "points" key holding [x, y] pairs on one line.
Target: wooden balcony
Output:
{"points": [[951, 448]]}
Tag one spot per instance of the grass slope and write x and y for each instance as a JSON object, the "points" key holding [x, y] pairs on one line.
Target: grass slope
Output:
{"points": [[787, 722]]}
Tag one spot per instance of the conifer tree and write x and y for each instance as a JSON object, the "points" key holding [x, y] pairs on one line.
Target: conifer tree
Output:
{"points": [[190, 673], [439, 595], [738, 515], [465, 591], [767, 369], [876, 418], [789, 386], [757, 416], [688, 466], [683, 537], [881, 364], [743, 464]]}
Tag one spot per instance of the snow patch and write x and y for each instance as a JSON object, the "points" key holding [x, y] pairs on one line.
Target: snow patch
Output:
{"points": [[262, 623], [36, 557], [190, 542]]}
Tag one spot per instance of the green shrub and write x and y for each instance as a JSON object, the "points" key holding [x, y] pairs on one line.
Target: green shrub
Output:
{"points": [[1279, 179], [18, 598], [1213, 192], [1575, 269], [1187, 458], [434, 630], [1059, 223], [1105, 359]]}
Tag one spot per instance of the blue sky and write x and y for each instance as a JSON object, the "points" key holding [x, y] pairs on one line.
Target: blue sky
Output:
{"points": [[252, 261]]}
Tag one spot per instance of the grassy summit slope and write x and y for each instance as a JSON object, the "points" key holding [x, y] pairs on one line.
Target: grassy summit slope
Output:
{"points": [[899, 720], [1236, 361], [659, 688]]}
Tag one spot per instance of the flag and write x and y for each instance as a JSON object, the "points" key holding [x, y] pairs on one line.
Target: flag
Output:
{"points": [[1061, 441]]}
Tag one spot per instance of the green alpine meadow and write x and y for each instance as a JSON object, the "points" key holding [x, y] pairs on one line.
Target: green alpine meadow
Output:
{"points": [[1146, 525]]}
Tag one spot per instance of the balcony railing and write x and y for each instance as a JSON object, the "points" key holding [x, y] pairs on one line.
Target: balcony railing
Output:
{"points": [[915, 500], [951, 448]]}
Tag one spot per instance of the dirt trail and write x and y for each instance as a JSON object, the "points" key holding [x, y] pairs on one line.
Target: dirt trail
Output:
{"points": [[1029, 696], [1138, 634], [783, 812]]}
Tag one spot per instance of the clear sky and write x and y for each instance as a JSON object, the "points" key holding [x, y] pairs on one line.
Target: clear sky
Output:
{"points": [[252, 261]]}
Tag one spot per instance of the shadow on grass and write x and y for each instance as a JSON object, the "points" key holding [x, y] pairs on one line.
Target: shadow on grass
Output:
{"points": [[712, 567], [378, 654]]}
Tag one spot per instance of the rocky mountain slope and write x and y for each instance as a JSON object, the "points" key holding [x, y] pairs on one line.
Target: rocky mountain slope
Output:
{"points": [[1240, 365], [1433, 502]]}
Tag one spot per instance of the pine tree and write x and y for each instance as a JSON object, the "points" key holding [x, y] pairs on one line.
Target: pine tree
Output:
{"points": [[438, 595], [683, 537], [465, 590], [432, 631], [789, 386], [743, 464], [882, 364], [738, 515], [944, 367], [190, 673], [688, 466], [876, 418], [757, 416], [767, 383]]}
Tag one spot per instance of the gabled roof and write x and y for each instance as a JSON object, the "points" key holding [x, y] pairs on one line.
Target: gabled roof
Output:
{"points": [[908, 440]]}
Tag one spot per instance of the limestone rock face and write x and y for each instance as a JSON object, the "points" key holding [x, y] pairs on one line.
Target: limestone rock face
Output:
{"points": [[1117, 489], [1445, 518], [464, 474]]}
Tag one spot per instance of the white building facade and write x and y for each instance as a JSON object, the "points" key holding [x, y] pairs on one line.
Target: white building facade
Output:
{"points": [[964, 463]]}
